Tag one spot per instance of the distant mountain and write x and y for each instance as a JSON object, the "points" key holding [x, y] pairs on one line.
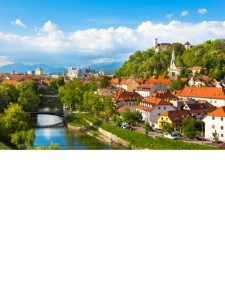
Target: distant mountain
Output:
{"points": [[108, 68], [21, 68]]}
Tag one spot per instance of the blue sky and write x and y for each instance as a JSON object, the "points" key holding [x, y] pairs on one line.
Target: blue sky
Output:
{"points": [[81, 32]]}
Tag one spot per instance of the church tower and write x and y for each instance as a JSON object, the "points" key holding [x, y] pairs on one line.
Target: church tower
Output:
{"points": [[174, 72]]}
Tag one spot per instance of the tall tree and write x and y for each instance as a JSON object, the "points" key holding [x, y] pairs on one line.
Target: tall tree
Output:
{"points": [[16, 126], [8, 94], [28, 95], [72, 94]]}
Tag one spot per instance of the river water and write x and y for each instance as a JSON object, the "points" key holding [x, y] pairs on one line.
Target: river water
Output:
{"points": [[66, 138]]}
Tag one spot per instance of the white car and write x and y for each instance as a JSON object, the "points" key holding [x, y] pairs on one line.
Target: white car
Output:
{"points": [[172, 136]]}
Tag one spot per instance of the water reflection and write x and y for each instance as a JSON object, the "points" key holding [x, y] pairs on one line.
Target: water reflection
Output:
{"points": [[67, 139], [48, 120]]}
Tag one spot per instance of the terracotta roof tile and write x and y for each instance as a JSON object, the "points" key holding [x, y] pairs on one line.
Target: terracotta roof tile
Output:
{"points": [[218, 112], [202, 92]]}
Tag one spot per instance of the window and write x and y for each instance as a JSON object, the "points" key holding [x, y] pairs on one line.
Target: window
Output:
{"points": [[213, 118], [221, 119], [221, 135], [159, 114], [161, 118], [159, 108], [221, 127], [213, 127]]}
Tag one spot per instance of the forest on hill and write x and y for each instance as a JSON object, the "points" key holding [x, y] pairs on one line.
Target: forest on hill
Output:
{"points": [[209, 55]]}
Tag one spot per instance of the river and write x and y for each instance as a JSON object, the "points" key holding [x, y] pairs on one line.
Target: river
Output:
{"points": [[66, 138]]}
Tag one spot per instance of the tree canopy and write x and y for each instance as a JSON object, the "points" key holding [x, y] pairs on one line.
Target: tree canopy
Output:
{"points": [[209, 55]]}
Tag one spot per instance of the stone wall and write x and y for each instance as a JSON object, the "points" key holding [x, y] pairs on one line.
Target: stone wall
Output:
{"points": [[111, 136]]}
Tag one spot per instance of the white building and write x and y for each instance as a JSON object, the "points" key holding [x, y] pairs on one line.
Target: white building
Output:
{"points": [[152, 108], [39, 71], [213, 95], [74, 73], [146, 89], [215, 124]]}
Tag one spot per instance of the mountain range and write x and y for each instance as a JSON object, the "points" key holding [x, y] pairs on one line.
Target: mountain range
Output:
{"points": [[21, 68]]}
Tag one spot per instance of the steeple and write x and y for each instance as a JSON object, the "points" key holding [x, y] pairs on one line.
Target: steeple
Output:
{"points": [[173, 60]]}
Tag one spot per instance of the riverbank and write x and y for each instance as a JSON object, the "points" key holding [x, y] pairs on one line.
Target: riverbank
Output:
{"points": [[82, 125], [134, 140]]}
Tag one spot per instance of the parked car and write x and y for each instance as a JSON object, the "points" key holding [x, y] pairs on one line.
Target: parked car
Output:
{"points": [[221, 145], [172, 136], [200, 138], [125, 126]]}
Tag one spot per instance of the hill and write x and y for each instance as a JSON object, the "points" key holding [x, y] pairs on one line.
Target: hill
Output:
{"points": [[209, 55]]}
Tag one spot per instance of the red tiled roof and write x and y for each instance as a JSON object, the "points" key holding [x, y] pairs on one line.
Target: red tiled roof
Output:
{"points": [[218, 112], [202, 92], [160, 79]]}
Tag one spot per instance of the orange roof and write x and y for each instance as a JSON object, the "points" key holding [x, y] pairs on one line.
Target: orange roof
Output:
{"points": [[160, 80], [145, 86], [218, 112], [196, 68], [202, 92], [122, 108]]}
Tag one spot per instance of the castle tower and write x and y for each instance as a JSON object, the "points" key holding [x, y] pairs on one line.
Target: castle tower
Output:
{"points": [[156, 45], [187, 45]]}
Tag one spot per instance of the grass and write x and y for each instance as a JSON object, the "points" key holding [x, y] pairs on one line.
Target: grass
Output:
{"points": [[141, 141]]}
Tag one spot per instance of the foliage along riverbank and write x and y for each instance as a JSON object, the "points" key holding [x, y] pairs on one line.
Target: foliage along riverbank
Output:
{"points": [[76, 123], [140, 141]]}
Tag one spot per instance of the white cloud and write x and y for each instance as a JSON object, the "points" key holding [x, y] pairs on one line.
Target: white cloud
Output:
{"points": [[19, 23], [169, 16], [5, 61], [202, 11], [53, 46], [184, 13]]}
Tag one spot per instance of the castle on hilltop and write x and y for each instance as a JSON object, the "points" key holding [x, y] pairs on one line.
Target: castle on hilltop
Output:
{"points": [[159, 47]]}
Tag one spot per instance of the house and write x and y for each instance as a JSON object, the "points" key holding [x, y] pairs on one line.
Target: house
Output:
{"points": [[152, 107], [173, 117], [147, 89], [129, 85], [213, 95], [126, 98], [159, 80], [215, 124], [196, 69]]}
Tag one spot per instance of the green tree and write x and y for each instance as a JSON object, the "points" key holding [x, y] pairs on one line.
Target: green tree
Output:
{"points": [[109, 107], [72, 94], [28, 95], [93, 103], [168, 128], [148, 128], [177, 85], [117, 120], [131, 118], [8, 94], [189, 127], [105, 82], [16, 126]]}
